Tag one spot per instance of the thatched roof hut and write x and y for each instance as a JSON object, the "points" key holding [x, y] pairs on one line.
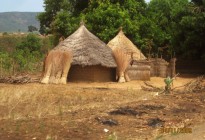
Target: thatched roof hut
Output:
{"points": [[122, 42], [92, 59]]}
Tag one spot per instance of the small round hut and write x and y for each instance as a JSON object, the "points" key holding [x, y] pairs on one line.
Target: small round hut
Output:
{"points": [[92, 59], [122, 42], [139, 68]]}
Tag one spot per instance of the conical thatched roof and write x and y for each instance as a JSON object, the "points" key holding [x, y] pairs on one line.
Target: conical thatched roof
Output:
{"points": [[88, 49], [122, 42]]}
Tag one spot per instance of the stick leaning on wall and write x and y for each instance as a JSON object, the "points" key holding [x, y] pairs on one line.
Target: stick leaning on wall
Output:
{"points": [[56, 66]]}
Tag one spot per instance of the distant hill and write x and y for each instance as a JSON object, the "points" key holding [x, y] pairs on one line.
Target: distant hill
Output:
{"points": [[15, 21]]}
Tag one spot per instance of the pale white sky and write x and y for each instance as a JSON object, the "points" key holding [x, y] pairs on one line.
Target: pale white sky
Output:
{"points": [[23, 5]]}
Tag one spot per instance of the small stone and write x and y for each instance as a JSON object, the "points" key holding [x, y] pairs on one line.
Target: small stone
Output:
{"points": [[156, 94], [106, 130]]}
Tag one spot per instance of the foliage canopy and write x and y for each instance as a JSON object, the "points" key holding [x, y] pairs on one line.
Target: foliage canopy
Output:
{"points": [[172, 26]]}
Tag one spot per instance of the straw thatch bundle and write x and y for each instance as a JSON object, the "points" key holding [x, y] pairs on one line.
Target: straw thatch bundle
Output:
{"points": [[122, 61], [122, 42], [87, 49], [139, 70], [56, 66]]}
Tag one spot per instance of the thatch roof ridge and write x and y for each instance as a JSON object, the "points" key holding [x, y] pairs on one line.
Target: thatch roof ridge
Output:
{"points": [[88, 49], [121, 41]]}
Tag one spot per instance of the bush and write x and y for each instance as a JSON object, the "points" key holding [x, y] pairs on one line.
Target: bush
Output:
{"points": [[5, 63], [31, 42], [9, 43], [5, 33], [23, 53]]}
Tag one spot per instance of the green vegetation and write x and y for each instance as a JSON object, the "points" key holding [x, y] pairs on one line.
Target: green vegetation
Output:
{"points": [[161, 27], [23, 53], [172, 27], [32, 28]]}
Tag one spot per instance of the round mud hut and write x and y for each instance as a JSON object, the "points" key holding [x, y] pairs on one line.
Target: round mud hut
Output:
{"points": [[122, 42], [92, 59]]}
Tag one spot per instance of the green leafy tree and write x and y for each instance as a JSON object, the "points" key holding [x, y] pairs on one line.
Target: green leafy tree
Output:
{"points": [[165, 16], [51, 9], [190, 30], [55, 10], [64, 24], [32, 28], [178, 24], [104, 18]]}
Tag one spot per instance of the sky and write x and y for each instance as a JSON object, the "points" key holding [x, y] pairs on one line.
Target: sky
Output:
{"points": [[23, 5]]}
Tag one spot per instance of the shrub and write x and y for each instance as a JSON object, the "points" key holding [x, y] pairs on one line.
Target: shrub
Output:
{"points": [[31, 42], [5, 63]]}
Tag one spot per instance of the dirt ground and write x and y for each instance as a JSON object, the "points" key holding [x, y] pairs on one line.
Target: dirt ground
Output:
{"points": [[93, 111]]}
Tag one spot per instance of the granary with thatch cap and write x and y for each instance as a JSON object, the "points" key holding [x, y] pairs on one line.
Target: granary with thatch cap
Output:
{"points": [[122, 42], [139, 68], [92, 59]]}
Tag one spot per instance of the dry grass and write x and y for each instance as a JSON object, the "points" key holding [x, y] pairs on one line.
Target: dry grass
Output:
{"points": [[36, 111], [122, 42], [40, 101], [41, 110], [122, 61], [56, 66]]}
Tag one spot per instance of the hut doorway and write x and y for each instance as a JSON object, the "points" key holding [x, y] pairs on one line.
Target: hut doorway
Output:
{"points": [[96, 73]]}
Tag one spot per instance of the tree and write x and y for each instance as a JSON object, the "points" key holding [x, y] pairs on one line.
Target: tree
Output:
{"points": [[55, 9], [64, 24], [193, 31], [178, 24], [32, 28], [51, 9], [77, 6], [104, 18], [165, 16]]}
